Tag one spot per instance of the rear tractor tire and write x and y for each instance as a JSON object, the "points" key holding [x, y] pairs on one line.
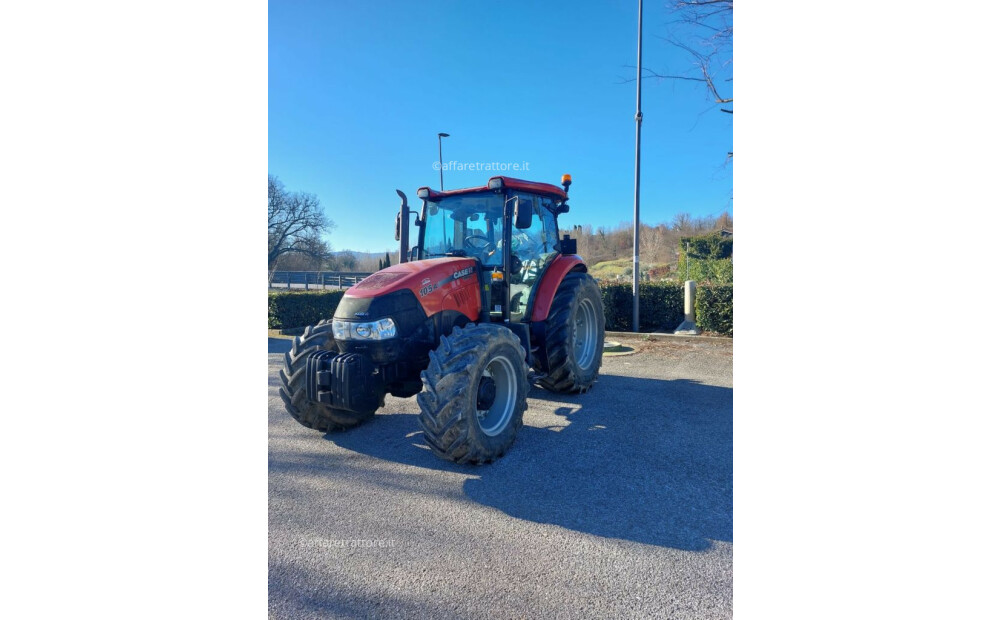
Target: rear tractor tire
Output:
{"points": [[574, 336], [294, 390], [475, 394]]}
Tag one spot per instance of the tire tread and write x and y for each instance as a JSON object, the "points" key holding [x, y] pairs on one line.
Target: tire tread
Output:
{"points": [[563, 373], [447, 382]]}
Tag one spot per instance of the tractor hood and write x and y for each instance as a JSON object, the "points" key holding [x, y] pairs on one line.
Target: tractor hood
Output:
{"points": [[448, 283], [437, 272]]}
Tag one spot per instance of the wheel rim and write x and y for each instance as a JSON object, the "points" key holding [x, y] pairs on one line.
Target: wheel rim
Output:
{"points": [[493, 420], [585, 333]]}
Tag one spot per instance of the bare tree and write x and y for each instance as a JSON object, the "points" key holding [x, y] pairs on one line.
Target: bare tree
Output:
{"points": [[295, 224], [344, 261], [703, 29]]}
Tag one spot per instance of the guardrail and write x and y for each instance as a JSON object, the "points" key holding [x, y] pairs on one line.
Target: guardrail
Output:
{"points": [[316, 279]]}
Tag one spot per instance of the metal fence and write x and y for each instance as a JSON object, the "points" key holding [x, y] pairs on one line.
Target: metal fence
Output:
{"points": [[315, 279]]}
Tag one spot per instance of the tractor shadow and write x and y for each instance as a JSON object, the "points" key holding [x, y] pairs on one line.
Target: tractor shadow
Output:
{"points": [[644, 460]]}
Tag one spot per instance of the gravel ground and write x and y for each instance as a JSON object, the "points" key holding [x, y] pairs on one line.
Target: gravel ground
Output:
{"points": [[615, 503]]}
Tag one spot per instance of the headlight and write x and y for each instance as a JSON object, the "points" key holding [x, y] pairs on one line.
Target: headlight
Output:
{"points": [[375, 330]]}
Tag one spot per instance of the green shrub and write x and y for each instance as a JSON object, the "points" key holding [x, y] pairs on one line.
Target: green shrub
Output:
{"points": [[705, 270], [661, 305], [713, 308], [288, 309], [711, 246], [706, 259]]}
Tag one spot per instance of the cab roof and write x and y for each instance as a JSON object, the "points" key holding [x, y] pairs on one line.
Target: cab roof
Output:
{"points": [[508, 182]]}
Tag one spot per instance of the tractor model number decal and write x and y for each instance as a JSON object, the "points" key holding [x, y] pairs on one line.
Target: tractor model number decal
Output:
{"points": [[430, 288]]}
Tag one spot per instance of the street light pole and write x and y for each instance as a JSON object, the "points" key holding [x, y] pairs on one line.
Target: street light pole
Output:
{"points": [[440, 161], [638, 131]]}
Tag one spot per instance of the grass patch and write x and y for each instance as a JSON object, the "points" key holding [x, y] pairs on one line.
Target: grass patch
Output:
{"points": [[621, 268]]}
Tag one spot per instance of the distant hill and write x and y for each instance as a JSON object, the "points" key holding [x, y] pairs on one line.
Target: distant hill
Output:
{"points": [[363, 255], [353, 260]]}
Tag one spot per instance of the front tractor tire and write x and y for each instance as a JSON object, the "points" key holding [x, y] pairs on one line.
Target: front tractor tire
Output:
{"points": [[475, 394], [574, 336], [294, 389]]}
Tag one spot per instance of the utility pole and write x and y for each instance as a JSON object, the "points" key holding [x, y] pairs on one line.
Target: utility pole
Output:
{"points": [[638, 132]]}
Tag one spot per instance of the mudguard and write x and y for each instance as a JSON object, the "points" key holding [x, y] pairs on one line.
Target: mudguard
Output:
{"points": [[551, 280]]}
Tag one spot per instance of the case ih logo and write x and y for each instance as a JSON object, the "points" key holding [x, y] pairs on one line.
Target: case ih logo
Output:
{"points": [[429, 288]]}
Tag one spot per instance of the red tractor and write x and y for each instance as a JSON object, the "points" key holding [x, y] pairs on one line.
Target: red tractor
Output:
{"points": [[488, 292]]}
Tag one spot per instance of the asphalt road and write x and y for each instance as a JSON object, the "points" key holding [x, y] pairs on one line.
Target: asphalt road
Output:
{"points": [[612, 504]]}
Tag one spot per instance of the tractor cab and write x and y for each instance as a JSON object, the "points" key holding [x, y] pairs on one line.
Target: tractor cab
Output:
{"points": [[483, 223]]}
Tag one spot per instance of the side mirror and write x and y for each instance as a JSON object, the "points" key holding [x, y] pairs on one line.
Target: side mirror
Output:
{"points": [[522, 213]]}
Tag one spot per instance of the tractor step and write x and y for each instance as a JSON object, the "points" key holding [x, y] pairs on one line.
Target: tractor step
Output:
{"points": [[534, 377]]}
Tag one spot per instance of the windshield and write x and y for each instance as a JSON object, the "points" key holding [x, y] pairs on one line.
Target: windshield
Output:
{"points": [[464, 225]]}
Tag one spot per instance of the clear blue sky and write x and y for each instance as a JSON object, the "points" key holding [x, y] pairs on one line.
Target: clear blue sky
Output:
{"points": [[357, 93]]}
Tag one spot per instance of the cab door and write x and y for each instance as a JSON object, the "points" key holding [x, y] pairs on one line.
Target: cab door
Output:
{"points": [[534, 247]]}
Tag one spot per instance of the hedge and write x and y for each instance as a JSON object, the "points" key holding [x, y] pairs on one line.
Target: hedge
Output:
{"points": [[711, 246], [661, 305], [300, 308], [705, 270], [713, 308], [706, 259]]}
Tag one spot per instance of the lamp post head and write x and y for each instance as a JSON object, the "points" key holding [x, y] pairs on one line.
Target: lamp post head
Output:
{"points": [[443, 135]]}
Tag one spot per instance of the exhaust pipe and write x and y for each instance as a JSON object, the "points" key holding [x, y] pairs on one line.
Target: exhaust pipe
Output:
{"points": [[403, 228]]}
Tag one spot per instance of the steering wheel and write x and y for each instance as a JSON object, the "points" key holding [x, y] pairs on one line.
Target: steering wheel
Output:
{"points": [[486, 247]]}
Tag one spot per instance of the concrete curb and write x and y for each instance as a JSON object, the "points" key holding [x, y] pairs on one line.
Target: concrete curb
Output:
{"points": [[285, 333], [641, 335]]}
